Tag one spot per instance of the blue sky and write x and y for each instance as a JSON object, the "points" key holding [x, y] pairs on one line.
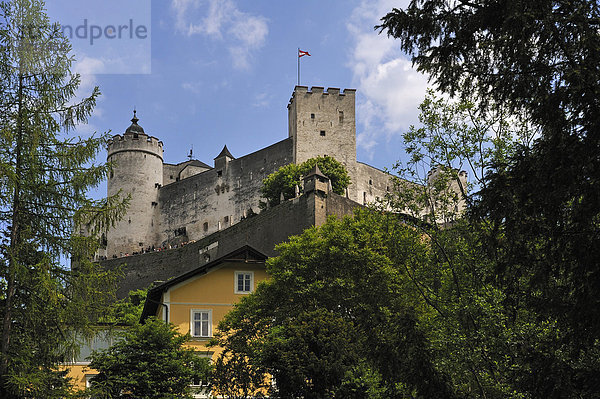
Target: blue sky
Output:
{"points": [[215, 72]]}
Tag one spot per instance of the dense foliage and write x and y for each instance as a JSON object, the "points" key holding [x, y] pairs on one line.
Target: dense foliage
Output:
{"points": [[285, 180], [45, 174], [382, 305], [126, 311], [539, 215], [148, 361], [331, 321], [542, 57]]}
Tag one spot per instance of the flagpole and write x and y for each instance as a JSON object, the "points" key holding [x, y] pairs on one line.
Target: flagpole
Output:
{"points": [[298, 56]]}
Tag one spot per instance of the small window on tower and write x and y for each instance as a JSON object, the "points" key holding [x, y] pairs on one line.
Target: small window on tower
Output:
{"points": [[219, 173], [205, 226], [322, 132], [312, 116], [341, 114]]}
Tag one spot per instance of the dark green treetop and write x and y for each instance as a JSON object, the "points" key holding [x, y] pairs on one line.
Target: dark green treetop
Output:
{"points": [[285, 180], [149, 361], [45, 174], [539, 214], [542, 57], [331, 321]]}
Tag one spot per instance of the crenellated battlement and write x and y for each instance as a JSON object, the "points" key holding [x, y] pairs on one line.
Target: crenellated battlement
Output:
{"points": [[333, 91], [135, 142]]}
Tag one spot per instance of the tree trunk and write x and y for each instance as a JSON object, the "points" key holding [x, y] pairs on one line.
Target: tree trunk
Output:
{"points": [[15, 238]]}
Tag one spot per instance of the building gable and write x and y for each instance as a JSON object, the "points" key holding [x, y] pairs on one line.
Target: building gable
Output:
{"points": [[188, 285]]}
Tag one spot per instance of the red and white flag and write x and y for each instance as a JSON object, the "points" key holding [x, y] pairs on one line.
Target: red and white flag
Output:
{"points": [[302, 53]]}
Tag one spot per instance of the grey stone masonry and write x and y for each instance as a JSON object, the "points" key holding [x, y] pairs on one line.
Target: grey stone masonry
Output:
{"points": [[322, 122], [183, 215], [137, 161], [175, 204], [262, 231]]}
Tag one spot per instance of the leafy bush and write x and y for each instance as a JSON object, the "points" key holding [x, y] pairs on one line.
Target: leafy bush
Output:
{"points": [[289, 176]]}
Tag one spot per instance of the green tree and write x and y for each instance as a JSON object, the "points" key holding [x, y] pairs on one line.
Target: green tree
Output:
{"points": [[419, 304], [453, 140], [126, 311], [311, 354], [234, 377], [483, 342], [337, 282], [149, 361], [285, 180], [455, 134], [44, 176], [539, 57], [539, 214], [333, 169]]}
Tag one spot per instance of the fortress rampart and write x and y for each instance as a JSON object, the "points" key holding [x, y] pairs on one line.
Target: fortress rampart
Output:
{"points": [[220, 197], [173, 204], [262, 231], [183, 215], [135, 142]]}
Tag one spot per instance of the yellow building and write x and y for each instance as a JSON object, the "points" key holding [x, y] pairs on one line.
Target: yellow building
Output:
{"points": [[198, 300], [79, 372], [195, 302]]}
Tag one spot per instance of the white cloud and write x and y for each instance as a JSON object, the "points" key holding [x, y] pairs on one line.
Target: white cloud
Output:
{"points": [[262, 100], [242, 32], [390, 89], [193, 87], [88, 68]]}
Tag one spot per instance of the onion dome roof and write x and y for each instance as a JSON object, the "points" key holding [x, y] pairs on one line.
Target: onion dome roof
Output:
{"points": [[134, 128]]}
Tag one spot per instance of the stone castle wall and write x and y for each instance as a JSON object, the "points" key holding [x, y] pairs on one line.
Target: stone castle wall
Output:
{"points": [[172, 204], [218, 198], [371, 184], [262, 231]]}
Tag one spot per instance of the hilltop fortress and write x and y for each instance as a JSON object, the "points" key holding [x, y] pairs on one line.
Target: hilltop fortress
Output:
{"points": [[195, 233], [175, 204]]}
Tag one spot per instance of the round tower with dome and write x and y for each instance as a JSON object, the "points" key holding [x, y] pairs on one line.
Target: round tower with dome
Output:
{"points": [[137, 160]]}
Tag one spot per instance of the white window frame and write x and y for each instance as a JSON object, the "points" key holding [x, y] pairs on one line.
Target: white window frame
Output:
{"points": [[203, 390], [193, 312], [235, 281], [88, 379]]}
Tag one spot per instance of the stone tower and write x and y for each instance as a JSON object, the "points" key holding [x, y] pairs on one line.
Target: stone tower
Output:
{"points": [[323, 123], [317, 187], [137, 171]]}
